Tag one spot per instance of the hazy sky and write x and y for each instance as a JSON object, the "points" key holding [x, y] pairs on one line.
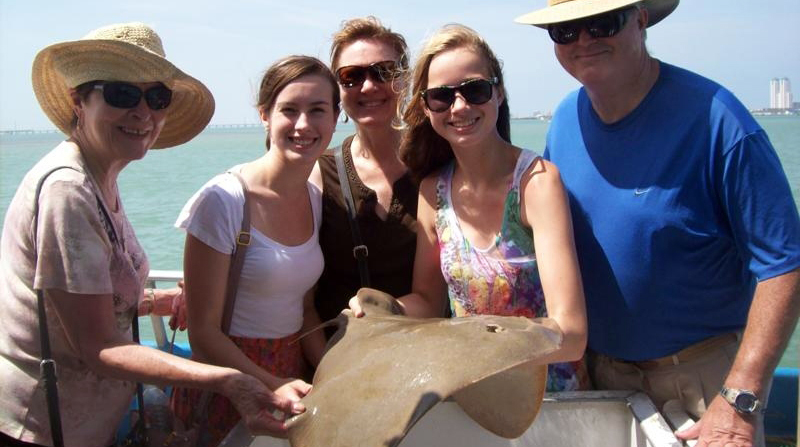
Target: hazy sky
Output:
{"points": [[227, 44]]}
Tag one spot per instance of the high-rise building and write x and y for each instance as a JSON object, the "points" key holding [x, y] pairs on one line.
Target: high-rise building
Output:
{"points": [[780, 93]]}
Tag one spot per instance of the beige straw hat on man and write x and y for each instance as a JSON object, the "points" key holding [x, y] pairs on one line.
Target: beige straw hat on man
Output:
{"points": [[558, 11], [126, 52]]}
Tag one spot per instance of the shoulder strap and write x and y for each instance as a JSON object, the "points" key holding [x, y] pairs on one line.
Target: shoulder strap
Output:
{"points": [[199, 415], [47, 367], [139, 429], [524, 162], [237, 258], [444, 197], [360, 251]]}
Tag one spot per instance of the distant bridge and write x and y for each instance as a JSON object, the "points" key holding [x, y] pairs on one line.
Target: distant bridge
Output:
{"points": [[234, 126], [27, 131]]}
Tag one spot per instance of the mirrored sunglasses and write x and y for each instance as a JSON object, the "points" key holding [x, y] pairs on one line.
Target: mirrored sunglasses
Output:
{"points": [[602, 25], [474, 91], [355, 75], [127, 96]]}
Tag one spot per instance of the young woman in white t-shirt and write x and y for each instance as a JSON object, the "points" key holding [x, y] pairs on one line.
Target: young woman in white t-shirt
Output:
{"points": [[298, 103]]}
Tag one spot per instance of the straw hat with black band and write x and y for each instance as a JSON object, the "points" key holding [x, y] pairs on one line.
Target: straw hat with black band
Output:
{"points": [[126, 52], [558, 11]]}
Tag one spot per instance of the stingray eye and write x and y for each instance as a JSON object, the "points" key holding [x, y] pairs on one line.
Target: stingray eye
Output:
{"points": [[494, 328]]}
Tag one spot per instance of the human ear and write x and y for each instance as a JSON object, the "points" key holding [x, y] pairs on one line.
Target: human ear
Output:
{"points": [[642, 18], [76, 100], [263, 114]]}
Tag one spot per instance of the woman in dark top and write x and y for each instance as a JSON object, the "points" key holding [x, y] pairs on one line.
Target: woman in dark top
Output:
{"points": [[369, 60]]}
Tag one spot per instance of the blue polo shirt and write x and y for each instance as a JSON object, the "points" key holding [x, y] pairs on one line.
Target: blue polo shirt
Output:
{"points": [[679, 209]]}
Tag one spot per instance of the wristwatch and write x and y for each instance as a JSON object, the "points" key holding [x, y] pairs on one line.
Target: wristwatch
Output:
{"points": [[743, 401]]}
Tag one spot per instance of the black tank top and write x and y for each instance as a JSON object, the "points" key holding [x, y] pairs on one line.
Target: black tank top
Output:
{"points": [[391, 243]]}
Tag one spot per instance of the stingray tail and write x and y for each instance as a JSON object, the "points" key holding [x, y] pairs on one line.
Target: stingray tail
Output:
{"points": [[331, 322]]}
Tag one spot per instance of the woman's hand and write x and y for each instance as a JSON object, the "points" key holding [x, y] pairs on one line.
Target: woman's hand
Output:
{"points": [[165, 302], [178, 318], [293, 389], [263, 411]]}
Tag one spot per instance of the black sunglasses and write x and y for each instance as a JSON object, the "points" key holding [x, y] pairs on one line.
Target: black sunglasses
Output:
{"points": [[127, 96], [474, 91], [602, 25], [355, 75]]}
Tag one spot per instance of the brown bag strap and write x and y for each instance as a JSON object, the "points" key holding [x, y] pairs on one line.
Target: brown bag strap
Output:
{"points": [[199, 415], [237, 259]]}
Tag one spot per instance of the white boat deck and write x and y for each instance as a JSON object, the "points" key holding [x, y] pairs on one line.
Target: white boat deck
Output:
{"points": [[589, 418]]}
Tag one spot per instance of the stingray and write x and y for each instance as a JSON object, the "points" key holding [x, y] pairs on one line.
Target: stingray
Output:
{"points": [[382, 372]]}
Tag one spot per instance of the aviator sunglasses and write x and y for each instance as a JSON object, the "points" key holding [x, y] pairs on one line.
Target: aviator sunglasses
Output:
{"points": [[355, 75], [127, 96], [599, 26], [474, 91]]}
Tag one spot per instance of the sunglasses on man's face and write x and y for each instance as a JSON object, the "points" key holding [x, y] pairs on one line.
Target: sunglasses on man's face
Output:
{"points": [[355, 75], [599, 26], [474, 91], [127, 96]]}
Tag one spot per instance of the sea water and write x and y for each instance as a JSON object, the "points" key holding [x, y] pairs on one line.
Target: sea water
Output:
{"points": [[155, 189]]}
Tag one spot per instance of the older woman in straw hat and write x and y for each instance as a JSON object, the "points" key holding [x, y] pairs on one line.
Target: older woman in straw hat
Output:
{"points": [[66, 236]]}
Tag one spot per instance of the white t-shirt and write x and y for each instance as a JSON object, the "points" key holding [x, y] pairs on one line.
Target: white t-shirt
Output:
{"points": [[269, 299]]}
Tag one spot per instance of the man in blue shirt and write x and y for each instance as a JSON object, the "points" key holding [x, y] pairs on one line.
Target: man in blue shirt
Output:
{"points": [[685, 226]]}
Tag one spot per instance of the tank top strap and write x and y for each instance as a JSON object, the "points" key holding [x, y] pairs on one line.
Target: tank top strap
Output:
{"points": [[443, 192], [524, 161]]}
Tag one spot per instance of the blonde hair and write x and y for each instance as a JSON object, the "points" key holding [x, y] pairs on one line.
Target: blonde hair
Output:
{"points": [[422, 149], [365, 28]]}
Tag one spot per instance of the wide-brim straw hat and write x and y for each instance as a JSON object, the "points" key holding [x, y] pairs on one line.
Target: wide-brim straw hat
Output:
{"points": [[558, 11], [126, 52]]}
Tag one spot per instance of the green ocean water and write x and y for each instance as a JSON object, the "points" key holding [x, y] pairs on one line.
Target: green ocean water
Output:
{"points": [[155, 189]]}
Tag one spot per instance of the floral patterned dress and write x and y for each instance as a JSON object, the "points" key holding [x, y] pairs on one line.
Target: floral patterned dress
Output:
{"points": [[502, 279]]}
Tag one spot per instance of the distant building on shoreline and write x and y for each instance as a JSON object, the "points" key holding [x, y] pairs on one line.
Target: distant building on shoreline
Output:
{"points": [[780, 94], [780, 99]]}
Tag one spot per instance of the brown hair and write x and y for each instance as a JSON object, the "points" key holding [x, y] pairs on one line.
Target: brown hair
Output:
{"points": [[368, 27], [82, 91], [287, 70], [422, 149]]}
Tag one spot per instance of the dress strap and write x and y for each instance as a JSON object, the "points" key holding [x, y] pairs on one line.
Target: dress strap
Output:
{"points": [[524, 161], [443, 191]]}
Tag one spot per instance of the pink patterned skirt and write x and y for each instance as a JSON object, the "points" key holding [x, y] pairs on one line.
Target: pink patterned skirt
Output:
{"points": [[282, 357]]}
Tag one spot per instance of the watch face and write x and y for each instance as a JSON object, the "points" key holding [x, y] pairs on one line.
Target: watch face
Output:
{"points": [[746, 402]]}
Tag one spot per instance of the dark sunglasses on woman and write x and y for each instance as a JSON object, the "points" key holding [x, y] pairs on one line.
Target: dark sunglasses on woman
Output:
{"points": [[355, 75], [474, 91], [127, 96], [602, 25]]}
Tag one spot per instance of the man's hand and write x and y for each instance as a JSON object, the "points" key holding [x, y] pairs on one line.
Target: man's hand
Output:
{"points": [[721, 426]]}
